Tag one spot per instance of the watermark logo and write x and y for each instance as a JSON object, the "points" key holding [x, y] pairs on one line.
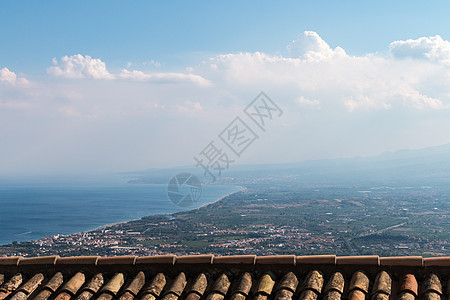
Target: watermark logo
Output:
{"points": [[232, 142], [184, 189]]}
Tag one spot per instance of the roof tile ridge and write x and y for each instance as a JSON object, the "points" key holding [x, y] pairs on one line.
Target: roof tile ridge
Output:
{"points": [[78, 260], [441, 261], [276, 259], [403, 261], [119, 260], [10, 260], [358, 260], [195, 259], [156, 259], [235, 259], [38, 260]]}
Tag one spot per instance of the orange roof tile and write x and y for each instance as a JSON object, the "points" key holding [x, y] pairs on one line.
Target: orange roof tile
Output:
{"points": [[240, 277]]}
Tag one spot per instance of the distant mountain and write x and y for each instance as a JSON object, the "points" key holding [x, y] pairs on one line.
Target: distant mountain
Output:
{"points": [[428, 166]]}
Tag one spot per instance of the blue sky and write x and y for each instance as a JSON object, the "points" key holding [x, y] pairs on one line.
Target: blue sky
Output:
{"points": [[179, 32], [111, 86]]}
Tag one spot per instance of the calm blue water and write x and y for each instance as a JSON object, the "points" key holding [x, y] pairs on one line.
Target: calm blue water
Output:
{"points": [[34, 212]]}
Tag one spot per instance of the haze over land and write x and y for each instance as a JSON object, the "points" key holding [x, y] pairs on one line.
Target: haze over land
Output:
{"points": [[421, 167], [391, 204], [154, 90]]}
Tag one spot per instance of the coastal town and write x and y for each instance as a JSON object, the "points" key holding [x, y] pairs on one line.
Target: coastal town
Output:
{"points": [[254, 222]]}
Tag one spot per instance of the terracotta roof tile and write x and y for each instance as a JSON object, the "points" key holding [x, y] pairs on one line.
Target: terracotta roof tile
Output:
{"points": [[11, 285], [287, 286], [198, 287], [7, 261], [413, 261], [117, 260], [114, 284], [308, 295], [42, 260], [240, 277], [235, 259], [380, 296], [243, 286], [359, 281], [265, 286], [215, 296], [313, 281], [276, 259], [221, 285], [195, 259], [177, 285], [155, 287], [436, 261], [408, 284], [159, 259], [136, 284], [85, 295], [127, 295], [77, 260], [71, 287], [52, 285], [95, 283], [288, 282], [91, 287], [192, 296], [432, 284], [31, 285], [383, 284], [332, 295], [358, 260], [55, 282], [407, 296], [316, 259], [74, 284], [336, 283], [356, 295]]}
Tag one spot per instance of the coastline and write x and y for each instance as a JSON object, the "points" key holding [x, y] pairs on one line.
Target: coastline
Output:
{"points": [[171, 214], [243, 188], [112, 224]]}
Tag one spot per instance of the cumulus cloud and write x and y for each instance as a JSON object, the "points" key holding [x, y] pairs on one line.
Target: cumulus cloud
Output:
{"points": [[163, 77], [309, 45], [433, 48], [307, 102], [322, 77], [9, 77], [79, 66], [336, 105], [189, 107]]}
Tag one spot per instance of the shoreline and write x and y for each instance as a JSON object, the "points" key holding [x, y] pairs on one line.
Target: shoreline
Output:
{"points": [[171, 214], [103, 227]]}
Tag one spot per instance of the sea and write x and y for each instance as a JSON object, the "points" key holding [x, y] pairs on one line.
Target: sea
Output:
{"points": [[32, 210]]}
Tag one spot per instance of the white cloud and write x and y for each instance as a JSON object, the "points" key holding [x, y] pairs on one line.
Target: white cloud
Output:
{"points": [[305, 101], [335, 105], [9, 77], [333, 79], [152, 63], [164, 77], [309, 45], [433, 48], [189, 107], [79, 66]]}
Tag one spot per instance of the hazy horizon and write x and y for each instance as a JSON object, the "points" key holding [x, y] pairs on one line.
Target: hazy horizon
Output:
{"points": [[146, 86]]}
